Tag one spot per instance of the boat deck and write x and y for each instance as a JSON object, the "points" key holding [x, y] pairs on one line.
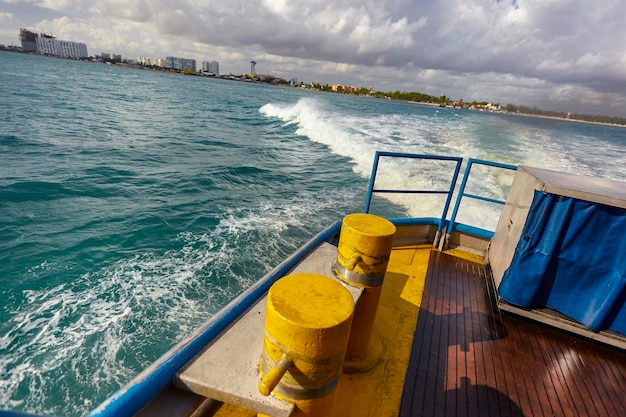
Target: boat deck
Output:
{"points": [[450, 352], [468, 359]]}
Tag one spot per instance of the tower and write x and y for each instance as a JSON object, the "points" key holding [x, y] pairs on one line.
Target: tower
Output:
{"points": [[252, 67]]}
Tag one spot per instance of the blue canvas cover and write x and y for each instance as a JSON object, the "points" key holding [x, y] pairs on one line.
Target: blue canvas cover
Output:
{"points": [[572, 258]]}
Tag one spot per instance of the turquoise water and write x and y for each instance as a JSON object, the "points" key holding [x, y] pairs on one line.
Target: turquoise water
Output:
{"points": [[135, 204]]}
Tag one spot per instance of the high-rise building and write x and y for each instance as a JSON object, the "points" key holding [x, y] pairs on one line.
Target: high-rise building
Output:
{"points": [[212, 67], [48, 45], [28, 39], [181, 64]]}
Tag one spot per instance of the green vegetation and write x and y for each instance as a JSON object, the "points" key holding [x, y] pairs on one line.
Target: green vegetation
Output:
{"points": [[410, 96], [511, 108], [446, 101]]}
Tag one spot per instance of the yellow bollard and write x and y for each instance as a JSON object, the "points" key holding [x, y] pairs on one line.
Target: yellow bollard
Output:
{"points": [[363, 253], [307, 326]]}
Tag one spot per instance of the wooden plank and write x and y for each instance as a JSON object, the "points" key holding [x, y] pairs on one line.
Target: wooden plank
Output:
{"points": [[469, 359]]}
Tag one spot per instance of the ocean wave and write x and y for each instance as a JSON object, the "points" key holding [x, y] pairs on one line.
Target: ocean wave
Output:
{"points": [[358, 137], [31, 191], [101, 329]]}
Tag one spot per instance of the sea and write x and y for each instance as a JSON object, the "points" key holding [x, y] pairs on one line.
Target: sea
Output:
{"points": [[135, 204]]}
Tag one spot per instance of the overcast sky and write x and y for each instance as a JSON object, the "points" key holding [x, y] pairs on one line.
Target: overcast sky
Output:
{"points": [[565, 55]]}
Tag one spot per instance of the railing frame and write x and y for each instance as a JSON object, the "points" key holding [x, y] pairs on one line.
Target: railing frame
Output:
{"points": [[442, 222], [461, 194]]}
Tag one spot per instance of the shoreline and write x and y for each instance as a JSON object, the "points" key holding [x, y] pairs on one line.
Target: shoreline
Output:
{"points": [[566, 119]]}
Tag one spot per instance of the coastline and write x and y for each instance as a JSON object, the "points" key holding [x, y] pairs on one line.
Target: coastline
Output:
{"points": [[565, 119], [284, 83]]}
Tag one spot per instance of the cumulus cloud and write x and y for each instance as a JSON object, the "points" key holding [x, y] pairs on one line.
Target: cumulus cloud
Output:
{"points": [[7, 22], [564, 53]]}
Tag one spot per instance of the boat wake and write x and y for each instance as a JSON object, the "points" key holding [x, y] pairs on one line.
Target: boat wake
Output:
{"points": [[93, 334], [359, 137]]}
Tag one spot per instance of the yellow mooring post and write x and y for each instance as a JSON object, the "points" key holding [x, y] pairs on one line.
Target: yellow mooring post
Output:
{"points": [[307, 326], [363, 253]]}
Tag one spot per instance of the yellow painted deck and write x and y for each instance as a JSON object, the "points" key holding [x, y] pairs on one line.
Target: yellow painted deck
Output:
{"points": [[378, 391], [448, 351]]}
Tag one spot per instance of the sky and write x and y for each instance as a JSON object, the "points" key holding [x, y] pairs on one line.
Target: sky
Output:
{"points": [[562, 55]]}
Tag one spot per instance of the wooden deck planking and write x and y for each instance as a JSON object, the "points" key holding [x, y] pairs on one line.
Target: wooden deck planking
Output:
{"points": [[468, 359]]}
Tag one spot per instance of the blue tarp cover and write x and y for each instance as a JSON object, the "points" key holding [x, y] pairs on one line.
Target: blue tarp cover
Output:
{"points": [[572, 258]]}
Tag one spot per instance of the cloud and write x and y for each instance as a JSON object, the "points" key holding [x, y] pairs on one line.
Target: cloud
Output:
{"points": [[7, 20], [59, 5], [565, 53]]}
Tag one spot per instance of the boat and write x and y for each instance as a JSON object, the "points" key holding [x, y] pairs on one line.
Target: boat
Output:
{"points": [[429, 316]]}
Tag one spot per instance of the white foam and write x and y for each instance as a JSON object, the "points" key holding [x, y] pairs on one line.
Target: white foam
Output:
{"points": [[102, 329], [357, 133], [358, 137]]}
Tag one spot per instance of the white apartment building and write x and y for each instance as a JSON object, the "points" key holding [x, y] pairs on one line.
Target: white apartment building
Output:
{"points": [[63, 49], [142, 60], [212, 67], [180, 63]]}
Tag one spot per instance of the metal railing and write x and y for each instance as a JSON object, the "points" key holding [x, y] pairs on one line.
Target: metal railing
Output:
{"points": [[462, 194], [456, 168], [441, 222]]}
